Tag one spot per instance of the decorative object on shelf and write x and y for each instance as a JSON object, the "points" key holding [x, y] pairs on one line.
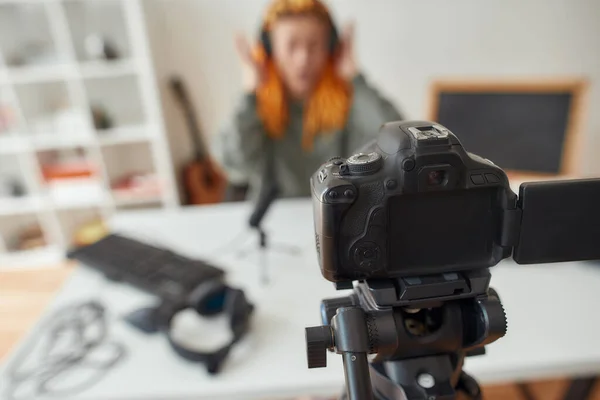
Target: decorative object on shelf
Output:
{"points": [[15, 60], [7, 118], [29, 238], [98, 47], [67, 164], [11, 187], [101, 117], [70, 120], [32, 53], [204, 181], [137, 186], [90, 233], [58, 116], [17, 189], [76, 192]]}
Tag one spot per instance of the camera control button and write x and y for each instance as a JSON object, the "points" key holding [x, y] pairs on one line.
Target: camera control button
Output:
{"points": [[477, 179], [391, 184], [408, 164], [349, 193], [491, 178], [367, 255], [344, 170]]}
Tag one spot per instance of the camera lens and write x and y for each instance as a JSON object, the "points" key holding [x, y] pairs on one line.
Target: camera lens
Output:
{"points": [[436, 178]]}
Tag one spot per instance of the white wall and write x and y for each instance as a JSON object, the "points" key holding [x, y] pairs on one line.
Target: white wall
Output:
{"points": [[402, 46]]}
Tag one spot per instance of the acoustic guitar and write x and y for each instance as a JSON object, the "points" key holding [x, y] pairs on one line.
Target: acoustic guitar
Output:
{"points": [[203, 180]]}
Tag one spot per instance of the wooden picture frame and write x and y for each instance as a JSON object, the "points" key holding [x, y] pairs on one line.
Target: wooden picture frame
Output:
{"points": [[578, 87]]}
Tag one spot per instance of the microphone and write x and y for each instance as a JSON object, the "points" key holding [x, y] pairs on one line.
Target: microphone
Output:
{"points": [[269, 189], [268, 194]]}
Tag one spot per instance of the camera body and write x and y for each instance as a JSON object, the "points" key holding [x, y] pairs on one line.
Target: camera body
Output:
{"points": [[413, 202]]}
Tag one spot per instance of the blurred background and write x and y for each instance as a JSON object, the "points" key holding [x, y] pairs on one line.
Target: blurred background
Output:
{"points": [[89, 125]]}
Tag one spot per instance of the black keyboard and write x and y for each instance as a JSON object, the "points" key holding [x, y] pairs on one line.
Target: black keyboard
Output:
{"points": [[155, 270]]}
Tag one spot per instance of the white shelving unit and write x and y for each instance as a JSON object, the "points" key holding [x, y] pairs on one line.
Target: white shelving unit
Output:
{"points": [[49, 84]]}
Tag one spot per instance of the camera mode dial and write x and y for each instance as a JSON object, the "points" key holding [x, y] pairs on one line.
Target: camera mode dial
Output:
{"points": [[364, 163]]}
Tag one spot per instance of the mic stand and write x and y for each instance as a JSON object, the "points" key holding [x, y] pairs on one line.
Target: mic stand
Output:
{"points": [[268, 194], [264, 247], [420, 328], [262, 238]]}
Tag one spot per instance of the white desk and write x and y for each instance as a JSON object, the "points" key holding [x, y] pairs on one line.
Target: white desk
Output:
{"points": [[552, 315]]}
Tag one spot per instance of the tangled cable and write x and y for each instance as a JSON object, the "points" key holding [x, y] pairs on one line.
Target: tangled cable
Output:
{"points": [[71, 341]]}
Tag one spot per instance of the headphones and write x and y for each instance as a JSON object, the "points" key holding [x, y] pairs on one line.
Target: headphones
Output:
{"points": [[265, 39], [208, 299]]}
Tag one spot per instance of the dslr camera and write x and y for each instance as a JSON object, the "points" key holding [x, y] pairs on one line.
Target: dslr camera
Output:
{"points": [[415, 202], [413, 222]]}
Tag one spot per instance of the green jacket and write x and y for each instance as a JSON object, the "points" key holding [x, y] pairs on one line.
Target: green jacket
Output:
{"points": [[244, 149]]}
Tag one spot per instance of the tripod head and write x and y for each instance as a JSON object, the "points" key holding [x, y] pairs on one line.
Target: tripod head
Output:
{"points": [[420, 329]]}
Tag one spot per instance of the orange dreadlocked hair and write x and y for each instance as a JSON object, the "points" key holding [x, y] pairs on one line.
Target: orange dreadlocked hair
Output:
{"points": [[327, 108]]}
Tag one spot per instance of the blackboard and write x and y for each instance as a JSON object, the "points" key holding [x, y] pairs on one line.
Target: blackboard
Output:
{"points": [[524, 129]]}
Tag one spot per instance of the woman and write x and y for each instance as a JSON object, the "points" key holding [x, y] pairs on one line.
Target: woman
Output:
{"points": [[304, 101]]}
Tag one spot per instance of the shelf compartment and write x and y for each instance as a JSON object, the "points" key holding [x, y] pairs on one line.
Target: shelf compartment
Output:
{"points": [[13, 187], [132, 174], [52, 120], [98, 30], [82, 226], [11, 141], [66, 164], [118, 99], [10, 123], [25, 35], [22, 233], [71, 179]]}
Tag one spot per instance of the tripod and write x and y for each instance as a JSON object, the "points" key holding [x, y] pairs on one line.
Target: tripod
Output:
{"points": [[420, 328]]}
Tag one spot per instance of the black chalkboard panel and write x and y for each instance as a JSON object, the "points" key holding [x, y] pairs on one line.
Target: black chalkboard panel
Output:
{"points": [[517, 131]]}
